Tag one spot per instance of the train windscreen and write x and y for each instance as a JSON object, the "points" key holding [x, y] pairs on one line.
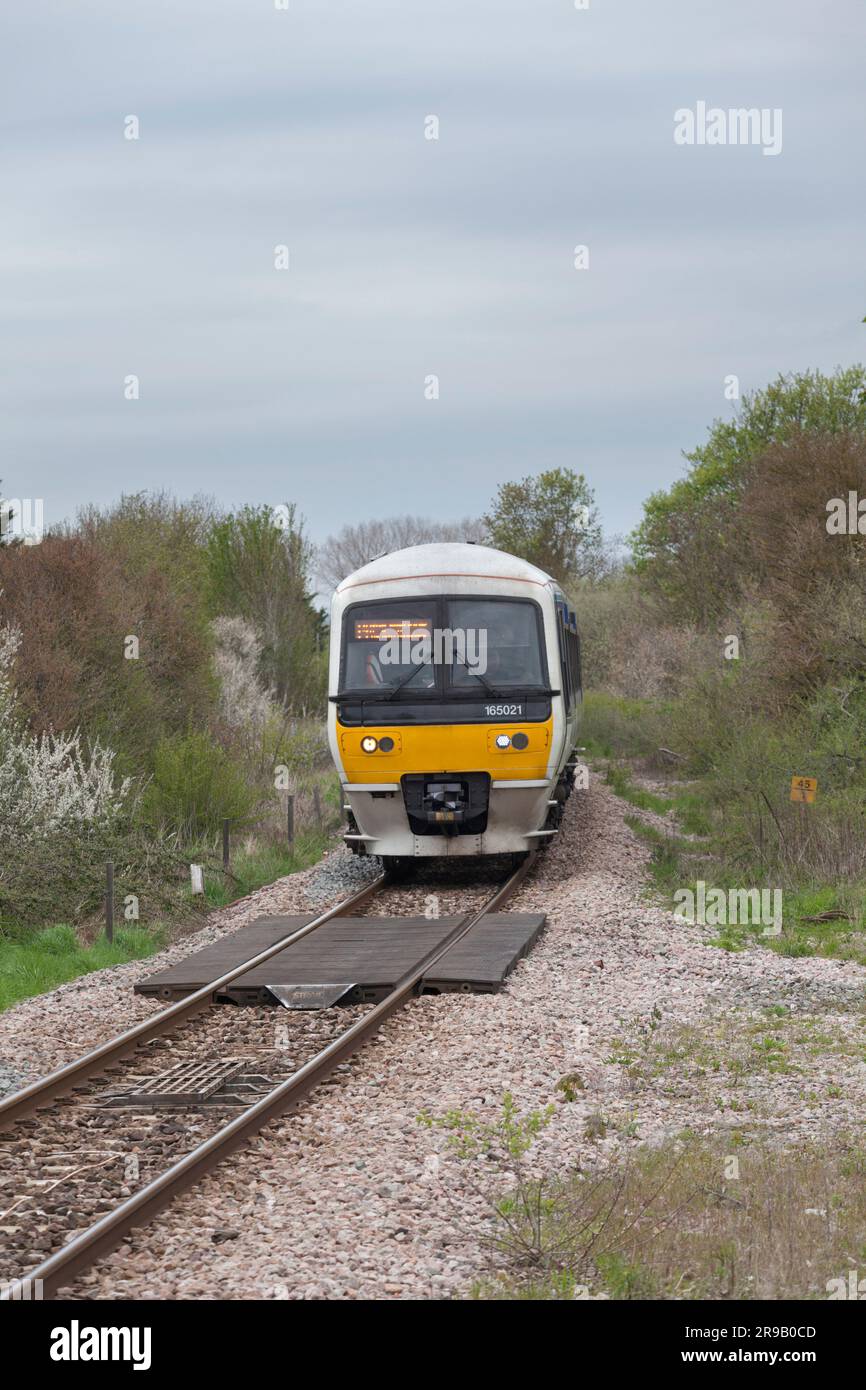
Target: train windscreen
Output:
{"points": [[502, 639], [389, 646], [429, 647]]}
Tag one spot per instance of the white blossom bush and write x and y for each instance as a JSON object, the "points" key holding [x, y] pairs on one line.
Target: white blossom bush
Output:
{"points": [[245, 703], [267, 738], [48, 785], [63, 814]]}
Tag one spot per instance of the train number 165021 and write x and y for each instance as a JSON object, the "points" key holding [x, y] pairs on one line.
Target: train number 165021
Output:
{"points": [[504, 711]]}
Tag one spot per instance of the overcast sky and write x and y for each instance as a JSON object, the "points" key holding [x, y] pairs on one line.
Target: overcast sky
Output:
{"points": [[410, 257]]}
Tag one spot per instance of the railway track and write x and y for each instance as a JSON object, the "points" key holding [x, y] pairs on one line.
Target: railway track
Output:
{"points": [[80, 1113]]}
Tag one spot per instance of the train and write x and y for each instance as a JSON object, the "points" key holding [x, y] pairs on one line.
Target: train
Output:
{"points": [[454, 701]]}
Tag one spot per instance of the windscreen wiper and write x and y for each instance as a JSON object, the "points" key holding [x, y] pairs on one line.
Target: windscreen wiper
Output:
{"points": [[498, 694], [405, 681], [377, 698], [493, 691], [487, 686], [360, 695]]}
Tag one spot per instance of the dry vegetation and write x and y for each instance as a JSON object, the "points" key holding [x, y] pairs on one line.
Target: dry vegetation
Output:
{"points": [[692, 1219]]}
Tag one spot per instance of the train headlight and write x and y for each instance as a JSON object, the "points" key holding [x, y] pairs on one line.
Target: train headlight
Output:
{"points": [[520, 741], [369, 744], [502, 741]]}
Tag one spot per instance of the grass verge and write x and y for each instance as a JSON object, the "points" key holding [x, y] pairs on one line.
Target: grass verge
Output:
{"points": [[817, 919], [734, 828], [51, 957], [694, 1219], [255, 864]]}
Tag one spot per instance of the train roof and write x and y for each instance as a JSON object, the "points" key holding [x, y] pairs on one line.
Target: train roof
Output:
{"points": [[442, 559]]}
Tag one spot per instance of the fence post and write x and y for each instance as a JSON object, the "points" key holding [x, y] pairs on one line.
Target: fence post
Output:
{"points": [[226, 846], [109, 900], [290, 822], [317, 806]]}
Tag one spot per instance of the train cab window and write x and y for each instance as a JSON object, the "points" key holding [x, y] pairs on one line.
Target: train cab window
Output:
{"points": [[388, 647], [500, 639]]}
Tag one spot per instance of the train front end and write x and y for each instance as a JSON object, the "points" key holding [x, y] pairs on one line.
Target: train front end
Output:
{"points": [[453, 703]]}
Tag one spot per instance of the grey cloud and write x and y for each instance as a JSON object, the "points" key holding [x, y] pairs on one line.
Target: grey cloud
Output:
{"points": [[408, 256]]}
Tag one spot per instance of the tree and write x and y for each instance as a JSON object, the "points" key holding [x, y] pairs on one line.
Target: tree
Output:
{"points": [[154, 533], [259, 562], [355, 546], [77, 602], [809, 576], [551, 521], [685, 547]]}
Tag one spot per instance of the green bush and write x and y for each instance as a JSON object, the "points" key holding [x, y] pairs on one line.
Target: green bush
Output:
{"points": [[259, 563], [65, 876], [195, 786]]}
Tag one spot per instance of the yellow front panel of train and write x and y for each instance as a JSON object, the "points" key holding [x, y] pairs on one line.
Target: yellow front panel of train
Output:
{"points": [[447, 748]]}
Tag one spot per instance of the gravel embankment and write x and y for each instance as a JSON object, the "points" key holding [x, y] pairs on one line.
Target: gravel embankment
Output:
{"points": [[352, 1198]]}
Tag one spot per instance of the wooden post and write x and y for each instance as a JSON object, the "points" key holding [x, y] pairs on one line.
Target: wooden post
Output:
{"points": [[226, 846], [290, 822], [761, 839], [317, 806], [109, 901]]}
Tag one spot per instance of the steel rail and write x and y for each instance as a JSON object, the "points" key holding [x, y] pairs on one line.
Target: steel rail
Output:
{"points": [[66, 1078], [104, 1235]]}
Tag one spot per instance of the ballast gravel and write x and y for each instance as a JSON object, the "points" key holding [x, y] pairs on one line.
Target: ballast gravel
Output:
{"points": [[623, 1018]]}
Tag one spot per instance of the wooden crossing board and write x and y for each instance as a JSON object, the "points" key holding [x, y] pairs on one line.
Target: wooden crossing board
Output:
{"points": [[486, 956], [368, 954]]}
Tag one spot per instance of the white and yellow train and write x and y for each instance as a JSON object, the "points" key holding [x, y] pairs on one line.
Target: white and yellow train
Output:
{"points": [[454, 700]]}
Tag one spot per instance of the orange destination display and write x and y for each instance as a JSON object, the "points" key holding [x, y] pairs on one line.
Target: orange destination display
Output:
{"points": [[381, 629]]}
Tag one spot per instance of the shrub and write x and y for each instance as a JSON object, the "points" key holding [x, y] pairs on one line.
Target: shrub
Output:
{"points": [[64, 875], [613, 727], [628, 649], [48, 785], [690, 547], [245, 703], [63, 813], [195, 785], [77, 603]]}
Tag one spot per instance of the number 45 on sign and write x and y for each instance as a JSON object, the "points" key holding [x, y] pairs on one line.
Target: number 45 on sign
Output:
{"points": [[803, 788]]}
